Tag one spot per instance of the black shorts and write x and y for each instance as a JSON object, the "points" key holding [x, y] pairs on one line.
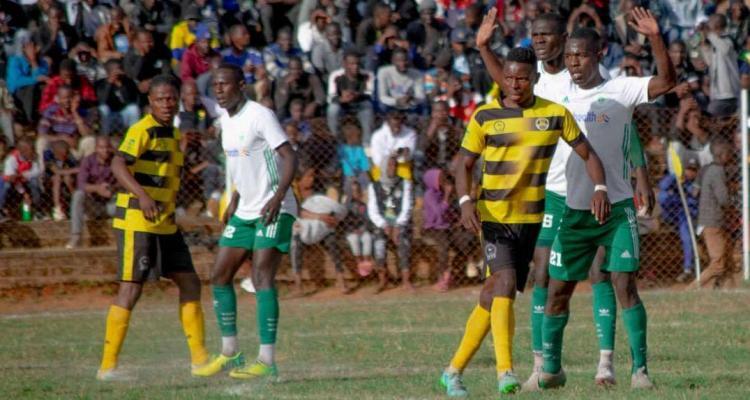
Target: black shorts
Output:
{"points": [[509, 246], [142, 256]]}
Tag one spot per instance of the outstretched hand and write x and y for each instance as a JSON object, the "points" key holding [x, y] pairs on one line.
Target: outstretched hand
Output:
{"points": [[487, 28], [644, 22]]}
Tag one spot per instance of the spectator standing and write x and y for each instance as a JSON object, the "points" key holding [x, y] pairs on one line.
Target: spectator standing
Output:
{"points": [[60, 170], [722, 68], [350, 92], [354, 163], [714, 201], [389, 207], [401, 87], [118, 99], [95, 188], [673, 212], [27, 72]]}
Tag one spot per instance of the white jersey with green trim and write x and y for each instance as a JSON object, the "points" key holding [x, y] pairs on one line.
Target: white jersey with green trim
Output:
{"points": [[250, 139], [604, 114], [554, 87]]}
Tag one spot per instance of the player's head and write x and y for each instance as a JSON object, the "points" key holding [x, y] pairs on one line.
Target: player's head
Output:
{"points": [[583, 52], [164, 98], [519, 75], [228, 81], [548, 36]]}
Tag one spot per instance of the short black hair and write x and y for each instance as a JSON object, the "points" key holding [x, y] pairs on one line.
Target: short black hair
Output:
{"points": [[589, 35], [165, 79], [381, 6], [351, 53], [557, 19], [112, 62], [399, 50], [68, 65], [523, 55], [234, 68], [235, 28]]}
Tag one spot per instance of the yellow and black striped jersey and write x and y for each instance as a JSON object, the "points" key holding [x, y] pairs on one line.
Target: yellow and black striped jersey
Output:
{"points": [[153, 156], [517, 147]]}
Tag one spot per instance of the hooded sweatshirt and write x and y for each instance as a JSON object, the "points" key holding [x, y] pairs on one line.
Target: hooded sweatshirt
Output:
{"points": [[435, 209]]}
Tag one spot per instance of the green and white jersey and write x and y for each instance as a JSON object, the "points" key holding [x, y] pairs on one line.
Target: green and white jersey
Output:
{"points": [[250, 139], [604, 114]]}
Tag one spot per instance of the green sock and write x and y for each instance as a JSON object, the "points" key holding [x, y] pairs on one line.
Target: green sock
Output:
{"points": [[268, 315], [538, 300], [634, 319], [225, 306], [552, 338], [605, 314]]}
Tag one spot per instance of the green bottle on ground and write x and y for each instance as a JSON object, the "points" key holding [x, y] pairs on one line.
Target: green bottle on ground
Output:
{"points": [[25, 211]]}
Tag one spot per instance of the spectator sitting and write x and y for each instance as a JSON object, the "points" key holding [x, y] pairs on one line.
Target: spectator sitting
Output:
{"points": [[722, 68], [182, 34], [21, 173], [738, 22], [354, 163], [673, 212], [60, 170], [278, 55], [442, 140], [313, 31], [462, 101], [297, 118], [68, 76], [427, 33], [393, 138], [7, 114], [350, 92], [381, 53], [373, 28], [158, 17], [145, 60], [389, 206], [714, 201], [86, 16], [298, 84], [86, 64], [467, 64], [441, 223], [401, 87], [56, 36], [204, 110], [65, 120], [118, 99], [195, 58], [359, 230], [319, 216], [95, 188], [328, 55], [113, 39], [240, 53], [27, 72], [686, 74]]}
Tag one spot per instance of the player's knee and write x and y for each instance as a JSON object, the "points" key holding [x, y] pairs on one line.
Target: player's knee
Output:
{"points": [[128, 294], [557, 304], [262, 279], [626, 289]]}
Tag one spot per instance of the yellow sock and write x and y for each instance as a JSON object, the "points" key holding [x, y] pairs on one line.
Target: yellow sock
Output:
{"points": [[503, 324], [477, 327], [117, 327], [191, 316]]}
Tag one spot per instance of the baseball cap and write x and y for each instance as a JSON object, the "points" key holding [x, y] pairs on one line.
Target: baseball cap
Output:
{"points": [[692, 163], [202, 32]]}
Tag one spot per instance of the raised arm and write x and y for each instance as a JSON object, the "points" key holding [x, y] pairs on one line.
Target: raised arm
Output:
{"points": [[600, 206], [484, 35], [666, 78]]}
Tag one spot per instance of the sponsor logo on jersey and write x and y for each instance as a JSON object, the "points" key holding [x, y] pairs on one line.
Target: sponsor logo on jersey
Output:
{"points": [[604, 312], [490, 252], [538, 309], [599, 118], [626, 254]]}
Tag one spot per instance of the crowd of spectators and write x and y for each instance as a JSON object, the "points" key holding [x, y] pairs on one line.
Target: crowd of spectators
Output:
{"points": [[374, 96]]}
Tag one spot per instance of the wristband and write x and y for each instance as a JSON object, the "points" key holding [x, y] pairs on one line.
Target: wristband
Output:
{"points": [[463, 199], [602, 188]]}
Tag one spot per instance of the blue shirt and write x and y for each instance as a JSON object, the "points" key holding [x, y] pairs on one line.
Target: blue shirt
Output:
{"points": [[20, 74], [251, 56], [353, 160]]}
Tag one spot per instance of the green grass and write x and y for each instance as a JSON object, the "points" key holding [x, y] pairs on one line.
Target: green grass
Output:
{"points": [[386, 347]]}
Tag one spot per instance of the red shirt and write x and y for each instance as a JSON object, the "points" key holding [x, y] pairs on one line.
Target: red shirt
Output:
{"points": [[85, 89], [193, 63]]}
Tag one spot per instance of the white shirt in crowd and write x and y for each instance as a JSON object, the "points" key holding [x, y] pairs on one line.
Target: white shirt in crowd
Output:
{"points": [[384, 143], [374, 212], [250, 139]]}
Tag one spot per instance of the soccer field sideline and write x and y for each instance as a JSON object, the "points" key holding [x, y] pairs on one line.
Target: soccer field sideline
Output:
{"points": [[387, 347]]}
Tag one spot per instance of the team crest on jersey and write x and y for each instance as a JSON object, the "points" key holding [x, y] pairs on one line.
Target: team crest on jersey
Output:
{"points": [[499, 126], [542, 124]]}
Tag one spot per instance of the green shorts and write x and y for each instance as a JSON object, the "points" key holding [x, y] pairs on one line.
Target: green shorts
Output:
{"points": [[253, 235], [554, 208], [580, 235]]}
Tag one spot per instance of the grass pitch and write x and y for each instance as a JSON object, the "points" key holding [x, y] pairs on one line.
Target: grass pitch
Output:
{"points": [[391, 346]]}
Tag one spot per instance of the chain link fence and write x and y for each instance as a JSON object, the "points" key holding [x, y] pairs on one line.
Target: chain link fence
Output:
{"points": [[336, 235]]}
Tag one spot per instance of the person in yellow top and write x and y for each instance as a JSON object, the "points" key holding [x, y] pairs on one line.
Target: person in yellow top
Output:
{"points": [[516, 136], [147, 165], [182, 35]]}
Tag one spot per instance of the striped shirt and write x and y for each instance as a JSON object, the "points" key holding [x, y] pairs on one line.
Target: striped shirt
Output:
{"points": [[152, 154], [517, 147]]}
